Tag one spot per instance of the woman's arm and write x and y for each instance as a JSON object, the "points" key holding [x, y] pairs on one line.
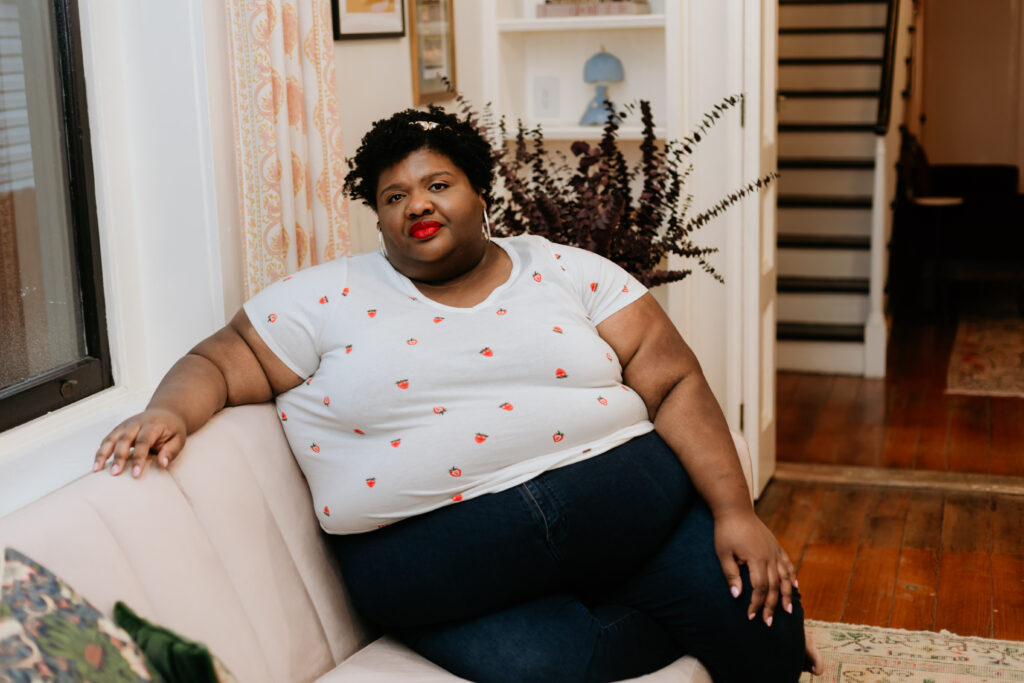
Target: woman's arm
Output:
{"points": [[663, 370], [232, 367]]}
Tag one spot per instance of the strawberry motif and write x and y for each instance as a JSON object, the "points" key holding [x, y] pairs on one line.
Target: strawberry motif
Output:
{"points": [[609, 356], [625, 289], [284, 418], [586, 450], [272, 318], [327, 400], [557, 436], [457, 497], [402, 384], [536, 276], [348, 348], [371, 482], [396, 443], [501, 311], [455, 472], [560, 373], [323, 299], [625, 388], [440, 410], [315, 448], [486, 351], [593, 286], [411, 342], [288, 278], [562, 267], [359, 431], [371, 312], [602, 400], [480, 438], [558, 256], [557, 329], [327, 511], [438, 319], [309, 381], [344, 292], [506, 406]]}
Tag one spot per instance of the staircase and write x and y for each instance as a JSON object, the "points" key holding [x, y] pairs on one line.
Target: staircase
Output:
{"points": [[831, 62]]}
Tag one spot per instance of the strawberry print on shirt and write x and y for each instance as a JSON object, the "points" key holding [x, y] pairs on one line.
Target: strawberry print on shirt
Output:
{"points": [[428, 405]]}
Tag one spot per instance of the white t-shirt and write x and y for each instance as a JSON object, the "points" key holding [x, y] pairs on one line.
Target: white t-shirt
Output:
{"points": [[411, 405]]}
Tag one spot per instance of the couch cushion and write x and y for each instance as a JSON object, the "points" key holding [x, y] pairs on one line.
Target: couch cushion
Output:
{"points": [[386, 660], [223, 548]]}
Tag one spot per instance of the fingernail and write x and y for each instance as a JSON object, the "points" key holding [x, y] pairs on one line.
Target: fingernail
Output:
{"points": [[796, 583], [137, 470], [96, 467], [735, 591], [115, 470], [163, 462], [750, 617], [789, 608], [768, 621]]}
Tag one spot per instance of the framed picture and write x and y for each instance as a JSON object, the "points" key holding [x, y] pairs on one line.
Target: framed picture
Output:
{"points": [[368, 18], [432, 40]]}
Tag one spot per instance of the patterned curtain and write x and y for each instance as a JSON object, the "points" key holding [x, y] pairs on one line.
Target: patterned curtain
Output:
{"points": [[289, 152]]}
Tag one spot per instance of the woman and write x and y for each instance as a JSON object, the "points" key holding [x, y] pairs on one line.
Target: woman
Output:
{"points": [[521, 469]]}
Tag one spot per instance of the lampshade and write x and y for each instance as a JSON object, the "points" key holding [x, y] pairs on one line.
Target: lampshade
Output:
{"points": [[603, 67]]}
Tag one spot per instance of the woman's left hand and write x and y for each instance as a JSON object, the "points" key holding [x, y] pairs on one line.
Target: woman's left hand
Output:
{"points": [[741, 538]]}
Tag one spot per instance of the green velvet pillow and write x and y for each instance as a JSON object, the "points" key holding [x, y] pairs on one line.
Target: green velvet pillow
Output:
{"points": [[175, 658], [49, 632]]}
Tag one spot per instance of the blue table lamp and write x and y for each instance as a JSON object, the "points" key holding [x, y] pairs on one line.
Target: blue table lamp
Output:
{"points": [[602, 69]]}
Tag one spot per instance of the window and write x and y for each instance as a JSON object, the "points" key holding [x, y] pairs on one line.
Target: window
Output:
{"points": [[53, 343]]}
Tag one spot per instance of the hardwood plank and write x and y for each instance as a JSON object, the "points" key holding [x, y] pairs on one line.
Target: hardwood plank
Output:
{"points": [[964, 599], [798, 413], [917, 576], [901, 434], [1007, 444], [922, 480], [793, 524], [831, 550], [1007, 597], [932, 420], [969, 431], [831, 427], [865, 425], [1008, 526], [873, 581]]}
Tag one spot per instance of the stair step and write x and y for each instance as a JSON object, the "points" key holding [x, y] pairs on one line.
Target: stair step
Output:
{"points": [[819, 332], [830, 61], [823, 163], [830, 30], [816, 285], [822, 307], [826, 128], [823, 242], [831, 357], [844, 144], [832, 202], [850, 41], [824, 221], [859, 92], [830, 182]]}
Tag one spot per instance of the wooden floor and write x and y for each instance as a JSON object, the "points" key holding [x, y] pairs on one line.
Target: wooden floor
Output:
{"points": [[891, 557]]}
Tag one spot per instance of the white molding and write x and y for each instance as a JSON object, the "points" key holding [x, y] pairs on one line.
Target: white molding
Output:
{"points": [[156, 206]]}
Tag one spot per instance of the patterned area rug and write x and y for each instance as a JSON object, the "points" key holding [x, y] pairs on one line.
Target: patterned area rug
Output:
{"points": [[987, 358], [866, 654]]}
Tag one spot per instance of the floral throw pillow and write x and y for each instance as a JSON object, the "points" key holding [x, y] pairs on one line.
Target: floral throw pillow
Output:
{"points": [[48, 632]]}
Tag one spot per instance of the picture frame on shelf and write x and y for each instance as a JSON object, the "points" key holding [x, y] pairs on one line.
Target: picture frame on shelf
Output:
{"points": [[432, 43], [355, 19]]}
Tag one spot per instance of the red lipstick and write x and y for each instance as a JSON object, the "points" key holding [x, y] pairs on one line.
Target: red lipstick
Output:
{"points": [[421, 230]]}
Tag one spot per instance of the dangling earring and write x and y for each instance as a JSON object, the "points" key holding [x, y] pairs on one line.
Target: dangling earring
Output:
{"points": [[380, 241], [486, 227]]}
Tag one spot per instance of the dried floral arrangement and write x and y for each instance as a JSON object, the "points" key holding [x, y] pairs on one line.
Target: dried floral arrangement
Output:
{"points": [[634, 214]]}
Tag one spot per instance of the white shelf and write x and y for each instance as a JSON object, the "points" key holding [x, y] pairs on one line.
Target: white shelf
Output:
{"points": [[600, 23], [563, 131]]}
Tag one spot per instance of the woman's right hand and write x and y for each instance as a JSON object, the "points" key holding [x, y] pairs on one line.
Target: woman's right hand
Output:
{"points": [[154, 430]]}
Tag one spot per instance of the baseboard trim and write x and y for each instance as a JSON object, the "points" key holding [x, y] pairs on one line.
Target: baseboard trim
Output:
{"points": [[920, 480]]}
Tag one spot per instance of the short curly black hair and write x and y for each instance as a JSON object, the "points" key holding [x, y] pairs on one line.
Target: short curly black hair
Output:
{"points": [[392, 139]]}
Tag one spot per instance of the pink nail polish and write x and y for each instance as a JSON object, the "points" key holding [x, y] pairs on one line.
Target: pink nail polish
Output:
{"points": [[750, 617], [735, 591], [768, 621], [136, 471], [115, 470], [789, 608]]}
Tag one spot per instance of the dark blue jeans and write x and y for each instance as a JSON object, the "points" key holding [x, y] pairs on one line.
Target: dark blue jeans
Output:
{"points": [[597, 571]]}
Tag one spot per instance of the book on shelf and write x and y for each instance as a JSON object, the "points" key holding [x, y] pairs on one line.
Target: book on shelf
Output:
{"points": [[591, 8]]}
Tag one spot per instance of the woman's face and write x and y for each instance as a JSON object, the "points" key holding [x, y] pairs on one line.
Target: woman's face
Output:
{"points": [[430, 217]]}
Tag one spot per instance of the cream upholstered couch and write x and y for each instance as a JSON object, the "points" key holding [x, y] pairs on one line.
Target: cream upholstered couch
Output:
{"points": [[224, 548]]}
